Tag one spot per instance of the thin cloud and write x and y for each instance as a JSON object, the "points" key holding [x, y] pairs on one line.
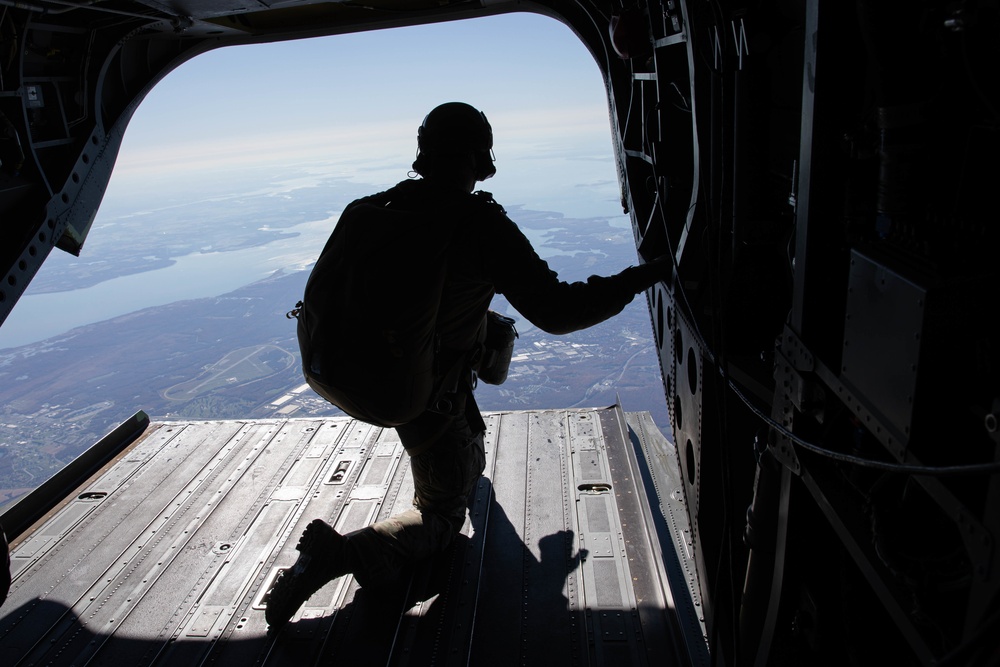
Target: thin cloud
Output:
{"points": [[517, 133]]}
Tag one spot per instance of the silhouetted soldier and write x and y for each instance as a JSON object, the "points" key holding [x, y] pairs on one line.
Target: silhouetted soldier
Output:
{"points": [[489, 256]]}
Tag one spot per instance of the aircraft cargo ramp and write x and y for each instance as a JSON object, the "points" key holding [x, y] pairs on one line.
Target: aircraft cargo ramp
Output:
{"points": [[166, 555]]}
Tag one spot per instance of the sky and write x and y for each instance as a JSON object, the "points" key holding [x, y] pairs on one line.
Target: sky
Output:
{"points": [[345, 107], [356, 100], [351, 105]]}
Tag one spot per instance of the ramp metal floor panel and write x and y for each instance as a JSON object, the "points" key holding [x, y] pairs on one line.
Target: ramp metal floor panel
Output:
{"points": [[166, 557]]}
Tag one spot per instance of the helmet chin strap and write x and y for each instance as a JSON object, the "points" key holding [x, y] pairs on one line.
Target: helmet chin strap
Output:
{"points": [[483, 164]]}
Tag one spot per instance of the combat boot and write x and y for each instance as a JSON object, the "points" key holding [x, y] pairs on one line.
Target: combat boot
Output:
{"points": [[322, 558]]}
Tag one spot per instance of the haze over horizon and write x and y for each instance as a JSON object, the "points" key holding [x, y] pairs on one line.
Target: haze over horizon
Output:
{"points": [[275, 114], [235, 169]]}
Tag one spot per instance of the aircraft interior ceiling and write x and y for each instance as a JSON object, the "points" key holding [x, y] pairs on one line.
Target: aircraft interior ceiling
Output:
{"points": [[823, 174]]}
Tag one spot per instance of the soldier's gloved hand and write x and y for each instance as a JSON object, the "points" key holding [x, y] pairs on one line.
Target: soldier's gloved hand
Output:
{"points": [[652, 272], [664, 266]]}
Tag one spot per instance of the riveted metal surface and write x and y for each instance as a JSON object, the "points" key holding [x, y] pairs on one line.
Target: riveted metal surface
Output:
{"points": [[883, 330], [167, 556], [667, 566]]}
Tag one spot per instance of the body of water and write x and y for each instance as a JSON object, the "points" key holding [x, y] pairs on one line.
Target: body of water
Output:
{"points": [[208, 274], [40, 316]]}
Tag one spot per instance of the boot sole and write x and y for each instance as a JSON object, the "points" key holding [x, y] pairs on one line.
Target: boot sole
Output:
{"points": [[295, 585]]}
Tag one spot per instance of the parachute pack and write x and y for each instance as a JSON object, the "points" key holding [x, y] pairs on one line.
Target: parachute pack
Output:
{"points": [[367, 321]]}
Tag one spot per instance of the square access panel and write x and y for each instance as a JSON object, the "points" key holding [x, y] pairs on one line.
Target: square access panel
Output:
{"points": [[882, 337]]}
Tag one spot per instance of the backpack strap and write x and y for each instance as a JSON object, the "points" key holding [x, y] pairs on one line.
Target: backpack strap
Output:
{"points": [[458, 375]]}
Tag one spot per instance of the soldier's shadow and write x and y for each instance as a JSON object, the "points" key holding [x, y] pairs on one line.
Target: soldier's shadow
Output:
{"points": [[524, 596], [505, 558], [482, 575], [440, 601]]}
